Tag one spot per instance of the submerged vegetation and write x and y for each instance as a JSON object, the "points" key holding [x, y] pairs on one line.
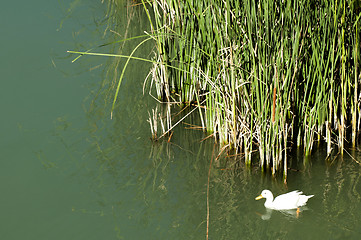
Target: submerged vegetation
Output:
{"points": [[263, 76]]}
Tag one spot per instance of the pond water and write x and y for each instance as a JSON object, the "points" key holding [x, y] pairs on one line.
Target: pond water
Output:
{"points": [[69, 172]]}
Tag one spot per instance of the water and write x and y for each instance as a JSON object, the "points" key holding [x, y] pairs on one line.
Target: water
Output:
{"points": [[69, 172]]}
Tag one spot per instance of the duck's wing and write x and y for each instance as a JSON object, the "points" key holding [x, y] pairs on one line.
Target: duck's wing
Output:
{"points": [[288, 200], [287, 196], [302, 200]]}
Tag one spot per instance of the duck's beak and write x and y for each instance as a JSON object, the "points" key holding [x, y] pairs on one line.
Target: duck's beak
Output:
{"points": [[259, 197]]}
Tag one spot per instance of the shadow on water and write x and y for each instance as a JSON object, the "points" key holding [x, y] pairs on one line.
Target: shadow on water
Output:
{"points": [[150, 189], [157, 190]]}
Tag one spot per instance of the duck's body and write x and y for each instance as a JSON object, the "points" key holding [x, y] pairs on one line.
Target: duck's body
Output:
{"points": [[291, 200]]}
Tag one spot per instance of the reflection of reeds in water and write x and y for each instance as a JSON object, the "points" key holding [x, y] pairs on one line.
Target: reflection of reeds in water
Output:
{"points": [[264, 74], [157, 118]]}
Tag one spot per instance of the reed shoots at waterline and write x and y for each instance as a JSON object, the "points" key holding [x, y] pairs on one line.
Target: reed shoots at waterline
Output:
{"points": [[263, 74]]}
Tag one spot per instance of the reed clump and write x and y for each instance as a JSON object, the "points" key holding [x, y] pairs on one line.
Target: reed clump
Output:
{"points": [[264, 75]]}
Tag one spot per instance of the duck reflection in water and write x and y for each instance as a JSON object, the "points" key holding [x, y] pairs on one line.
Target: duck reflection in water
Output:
{"points": [[291, 213]]}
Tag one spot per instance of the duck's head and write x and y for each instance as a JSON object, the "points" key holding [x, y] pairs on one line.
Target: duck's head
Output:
{"points": [[267, 194]]}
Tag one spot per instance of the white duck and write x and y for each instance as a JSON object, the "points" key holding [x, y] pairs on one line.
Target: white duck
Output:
{"points": [[291, 200]]}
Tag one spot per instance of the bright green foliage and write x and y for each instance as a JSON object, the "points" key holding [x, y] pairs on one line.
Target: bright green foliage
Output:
{"points": [[264, 74]]}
